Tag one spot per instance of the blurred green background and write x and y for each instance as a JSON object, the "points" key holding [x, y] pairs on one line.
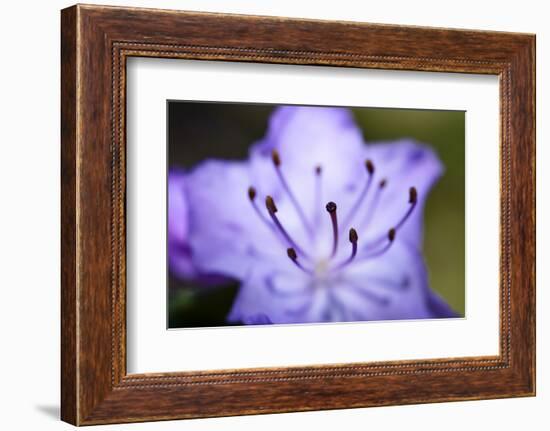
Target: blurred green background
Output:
{"points": [[200, 130]]}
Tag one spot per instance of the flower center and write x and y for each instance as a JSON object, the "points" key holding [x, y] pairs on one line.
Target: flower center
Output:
{"points": [[326, 267], [321, 268]]}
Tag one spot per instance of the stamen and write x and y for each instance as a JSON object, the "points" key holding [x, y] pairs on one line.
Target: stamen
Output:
{"points": [[331, 208], [390, 239], [277, 163], [276, 158], [270, 204], [318, 196], [370, 171], [272, 209], [252, 198], [413, 198], [294, 258], [353, 238], [374, 204], [369, 166], [251, 193]]}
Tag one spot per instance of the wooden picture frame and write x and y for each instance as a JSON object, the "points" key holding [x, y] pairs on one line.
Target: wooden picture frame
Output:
{"points": [[96, 41]]}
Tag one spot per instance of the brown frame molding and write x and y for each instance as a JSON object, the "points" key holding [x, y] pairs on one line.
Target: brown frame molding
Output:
{"points": [[95, 43]]}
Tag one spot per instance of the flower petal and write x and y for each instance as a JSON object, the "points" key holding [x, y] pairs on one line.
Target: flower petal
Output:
{"points": [[392, 287], [280, 303], [404, 164], [307, 137], [180, 263], [400, 276], [226, 236], [177, 207]]}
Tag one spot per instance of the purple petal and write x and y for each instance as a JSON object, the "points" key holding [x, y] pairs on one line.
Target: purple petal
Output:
{"points": [[439, 308], [400, 276], [403, 164], [179, 254], [177, 207], [307, 137], [258, 319], [226, 236], [393, 287]]}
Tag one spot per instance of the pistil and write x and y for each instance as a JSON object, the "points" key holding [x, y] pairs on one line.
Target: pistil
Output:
{"points": [[374, 204], [331, 208]]}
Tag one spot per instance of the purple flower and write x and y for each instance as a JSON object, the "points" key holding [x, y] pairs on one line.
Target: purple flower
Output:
{"points": [[316, 225], [179, 253]]}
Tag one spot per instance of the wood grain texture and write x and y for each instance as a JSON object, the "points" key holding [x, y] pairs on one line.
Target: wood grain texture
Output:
{"points": [[96, 41], [69, 371]]}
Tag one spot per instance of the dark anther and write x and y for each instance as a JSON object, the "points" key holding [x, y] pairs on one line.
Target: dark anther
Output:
{"points": [[412, 195], [353, 237], [270, 205], [391, 235], [318, 170], [276, 158], [251, 193], [370, 167], [291, 253], [383, 183]]}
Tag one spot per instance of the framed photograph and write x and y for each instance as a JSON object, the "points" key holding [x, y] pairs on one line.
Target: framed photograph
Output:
{"points": [[317, 215]]}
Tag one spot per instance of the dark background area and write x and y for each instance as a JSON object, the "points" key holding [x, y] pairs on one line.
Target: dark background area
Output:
{"points": [[201, 130]]}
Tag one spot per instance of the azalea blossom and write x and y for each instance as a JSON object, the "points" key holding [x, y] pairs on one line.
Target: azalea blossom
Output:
{"points": [[316, 225]]}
